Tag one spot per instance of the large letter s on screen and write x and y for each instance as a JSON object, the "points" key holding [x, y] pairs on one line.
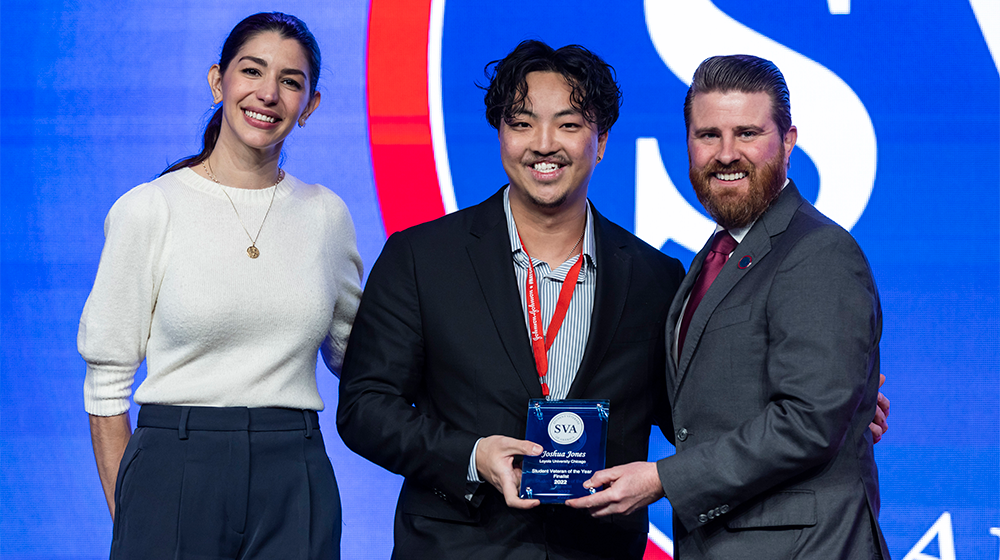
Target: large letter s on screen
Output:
{"points": [[835, 130]]}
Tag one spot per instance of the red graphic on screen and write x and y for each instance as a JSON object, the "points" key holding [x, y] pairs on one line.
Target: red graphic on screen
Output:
{"points": [[398, 116]]}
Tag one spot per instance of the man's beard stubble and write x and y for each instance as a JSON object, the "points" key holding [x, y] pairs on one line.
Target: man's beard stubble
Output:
{"points": [[552, 205], [729, 208]]}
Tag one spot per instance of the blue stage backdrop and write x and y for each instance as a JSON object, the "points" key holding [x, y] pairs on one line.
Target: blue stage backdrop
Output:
{"points": [[898, 109]]}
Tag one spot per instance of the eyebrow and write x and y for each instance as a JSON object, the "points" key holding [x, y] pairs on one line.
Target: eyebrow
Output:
{"points": [[563, 113], [737, 129], [263, 63]]}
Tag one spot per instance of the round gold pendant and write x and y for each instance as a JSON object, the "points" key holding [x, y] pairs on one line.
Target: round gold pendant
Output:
{"points": [[252, 252]]}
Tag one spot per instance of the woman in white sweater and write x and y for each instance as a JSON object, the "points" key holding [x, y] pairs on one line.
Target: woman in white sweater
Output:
{"points": [[226, 275]]}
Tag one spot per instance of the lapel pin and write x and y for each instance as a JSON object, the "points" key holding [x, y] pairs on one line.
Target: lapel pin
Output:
{"points": [[745, 262]]}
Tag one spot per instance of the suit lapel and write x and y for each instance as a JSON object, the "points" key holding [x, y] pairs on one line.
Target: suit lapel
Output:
{"points": [[491, 259], [756, 245], [614, 271], [674, 315]]}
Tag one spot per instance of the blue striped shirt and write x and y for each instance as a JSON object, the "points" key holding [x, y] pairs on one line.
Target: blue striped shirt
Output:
{"points": [[566, 352]]}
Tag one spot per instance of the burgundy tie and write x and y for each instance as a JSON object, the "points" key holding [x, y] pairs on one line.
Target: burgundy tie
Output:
{"points": [[722, 245]]}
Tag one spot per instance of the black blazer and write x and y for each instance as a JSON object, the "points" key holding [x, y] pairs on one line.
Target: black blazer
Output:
{"points": [[772, 397], [440, 356]]}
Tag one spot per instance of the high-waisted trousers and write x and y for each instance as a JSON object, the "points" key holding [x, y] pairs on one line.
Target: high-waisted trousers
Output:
{"points": [[212, 483]]}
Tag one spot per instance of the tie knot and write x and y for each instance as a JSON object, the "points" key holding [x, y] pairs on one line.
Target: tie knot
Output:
{"points": [[723, 243]]}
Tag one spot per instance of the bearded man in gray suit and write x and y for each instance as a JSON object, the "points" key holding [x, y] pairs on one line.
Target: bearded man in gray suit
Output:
{"points": [[773, 337]]}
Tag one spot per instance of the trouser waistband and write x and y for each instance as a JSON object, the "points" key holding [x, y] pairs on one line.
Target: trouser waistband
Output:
{"points": [[227, 419]]}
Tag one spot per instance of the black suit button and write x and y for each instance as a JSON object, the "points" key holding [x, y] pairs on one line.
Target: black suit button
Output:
{"points": [[724, 508], [703, 518], [682, 434]]}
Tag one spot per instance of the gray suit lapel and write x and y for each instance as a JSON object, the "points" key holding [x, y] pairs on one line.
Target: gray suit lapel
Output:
{"points": [[756, 245], [491, 260], [614, 272], [674, 314]]}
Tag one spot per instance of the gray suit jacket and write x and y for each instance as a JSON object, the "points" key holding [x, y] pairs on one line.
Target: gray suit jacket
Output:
{"points": [[772, 396]]}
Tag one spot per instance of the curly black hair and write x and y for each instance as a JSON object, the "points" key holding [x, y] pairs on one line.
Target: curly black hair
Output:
{"points": [[595, 90]]}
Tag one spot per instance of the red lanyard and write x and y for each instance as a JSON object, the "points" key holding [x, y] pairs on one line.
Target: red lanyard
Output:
{"points": [[540, 343]]}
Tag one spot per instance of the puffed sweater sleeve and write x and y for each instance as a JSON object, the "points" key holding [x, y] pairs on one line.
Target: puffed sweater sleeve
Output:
{"points": [[345, 270], [115, 324]]}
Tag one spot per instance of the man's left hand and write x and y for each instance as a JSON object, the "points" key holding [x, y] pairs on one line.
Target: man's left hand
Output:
{"points": [[627, 488], [880, 424]]}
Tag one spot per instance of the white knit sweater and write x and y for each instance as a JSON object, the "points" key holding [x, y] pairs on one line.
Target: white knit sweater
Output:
{"points": [[175, 286]]}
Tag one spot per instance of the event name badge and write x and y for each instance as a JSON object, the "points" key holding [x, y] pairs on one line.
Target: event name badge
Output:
{"points": [[573, 435]]}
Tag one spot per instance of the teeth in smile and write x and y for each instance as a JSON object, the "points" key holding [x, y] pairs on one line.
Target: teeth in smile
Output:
{"points": [[730, 176], [259, 117], [543, 167]]}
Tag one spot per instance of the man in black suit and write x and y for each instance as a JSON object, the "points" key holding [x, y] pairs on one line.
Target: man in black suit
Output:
{"points": [[440, 365], [773, 371]]}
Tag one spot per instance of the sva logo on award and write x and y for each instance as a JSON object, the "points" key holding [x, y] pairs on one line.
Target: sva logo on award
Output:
{"points": [[565, 428]]}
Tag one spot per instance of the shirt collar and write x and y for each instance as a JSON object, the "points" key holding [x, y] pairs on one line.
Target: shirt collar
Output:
{"points": [[589, 245]]}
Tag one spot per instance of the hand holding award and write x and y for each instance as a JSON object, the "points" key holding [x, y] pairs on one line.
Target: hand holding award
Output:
{"points": [[573, 435]]}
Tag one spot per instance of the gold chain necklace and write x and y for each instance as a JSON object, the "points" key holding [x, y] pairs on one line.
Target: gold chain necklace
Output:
{"points": [[252, 250]]}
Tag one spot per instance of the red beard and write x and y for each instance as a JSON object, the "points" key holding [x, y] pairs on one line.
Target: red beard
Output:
{"points": [[734, 209]]}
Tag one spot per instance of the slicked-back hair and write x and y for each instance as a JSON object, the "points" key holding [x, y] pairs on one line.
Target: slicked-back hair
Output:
{"points": [[595, 91], [287, 27], [743, 73]]}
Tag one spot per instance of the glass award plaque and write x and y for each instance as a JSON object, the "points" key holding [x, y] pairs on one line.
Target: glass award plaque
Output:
{"points": [[574, 436]]}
